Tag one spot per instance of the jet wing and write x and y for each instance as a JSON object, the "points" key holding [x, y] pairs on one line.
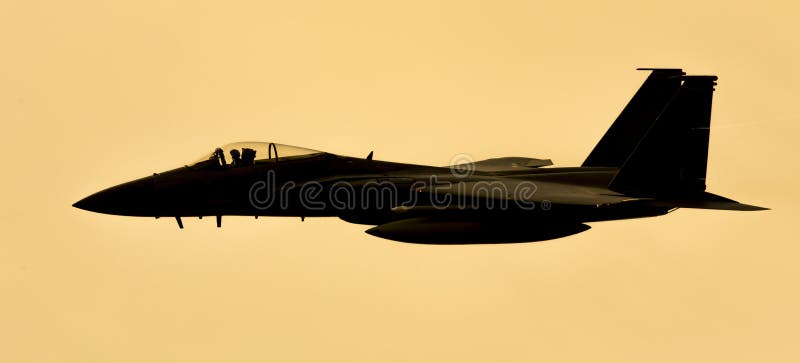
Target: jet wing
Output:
{"points": [[524, 192], [514, 190], [444, 221], [504, 164]]}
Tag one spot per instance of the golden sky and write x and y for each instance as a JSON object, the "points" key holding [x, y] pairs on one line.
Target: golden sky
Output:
{"points": [[94, 93]]}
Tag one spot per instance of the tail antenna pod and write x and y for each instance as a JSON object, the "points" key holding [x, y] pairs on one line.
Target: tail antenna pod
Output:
{"points": [[661, 69]]}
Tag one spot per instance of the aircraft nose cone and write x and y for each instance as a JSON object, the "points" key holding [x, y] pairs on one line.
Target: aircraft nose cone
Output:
{"points": [[134, 198]]}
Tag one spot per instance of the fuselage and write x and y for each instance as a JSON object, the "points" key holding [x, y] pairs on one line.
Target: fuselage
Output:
{"points": [[354, 189]]}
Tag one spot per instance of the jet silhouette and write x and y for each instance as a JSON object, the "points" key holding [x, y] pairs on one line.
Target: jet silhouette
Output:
{"points": [[651, 161]]}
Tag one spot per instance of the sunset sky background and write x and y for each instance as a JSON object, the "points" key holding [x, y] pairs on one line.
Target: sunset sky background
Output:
{"points": [[95, 93]]}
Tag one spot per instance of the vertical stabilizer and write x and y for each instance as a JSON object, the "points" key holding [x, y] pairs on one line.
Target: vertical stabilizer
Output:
{"points": [[636, 118], [671, 158]]}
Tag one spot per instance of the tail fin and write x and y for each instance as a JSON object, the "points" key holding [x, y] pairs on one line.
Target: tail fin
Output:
{"points": [[636, 118], [671, 158]]}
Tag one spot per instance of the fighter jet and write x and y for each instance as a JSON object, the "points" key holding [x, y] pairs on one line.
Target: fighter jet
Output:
{"points": [[650, 162]]}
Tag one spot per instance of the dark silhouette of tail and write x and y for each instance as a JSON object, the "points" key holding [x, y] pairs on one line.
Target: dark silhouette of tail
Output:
{"points": [[636, 118], [670, 161]]}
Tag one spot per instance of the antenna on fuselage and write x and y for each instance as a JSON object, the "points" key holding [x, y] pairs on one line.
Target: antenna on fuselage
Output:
{"points": [[369, 157]]}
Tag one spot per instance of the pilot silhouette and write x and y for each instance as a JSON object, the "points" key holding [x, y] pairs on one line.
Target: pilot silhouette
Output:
{"points": [[235, 159], [219, 155]]}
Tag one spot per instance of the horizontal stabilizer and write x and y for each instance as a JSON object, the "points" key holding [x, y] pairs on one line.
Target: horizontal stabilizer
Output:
{"points": [[708, 201]]}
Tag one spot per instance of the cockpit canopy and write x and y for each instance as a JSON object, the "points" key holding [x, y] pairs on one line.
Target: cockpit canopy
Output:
{"points": [[250, 153]]}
